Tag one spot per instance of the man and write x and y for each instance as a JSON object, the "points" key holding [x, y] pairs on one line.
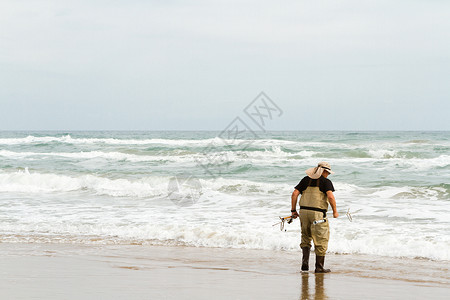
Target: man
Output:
{"points": [[316, 190]]}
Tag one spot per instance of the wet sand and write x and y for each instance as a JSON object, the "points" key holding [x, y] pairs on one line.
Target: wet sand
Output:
{"points": [[65, 271]]}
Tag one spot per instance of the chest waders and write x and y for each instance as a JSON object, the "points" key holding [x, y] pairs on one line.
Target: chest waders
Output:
{"points": [[313, 208]]}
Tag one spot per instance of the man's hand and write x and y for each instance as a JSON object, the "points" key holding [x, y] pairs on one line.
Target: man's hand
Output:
{"points": [[335, 214], [294, 215]]}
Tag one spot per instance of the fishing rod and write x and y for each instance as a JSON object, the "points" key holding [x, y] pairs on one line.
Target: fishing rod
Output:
{"points": [[289, 220]]}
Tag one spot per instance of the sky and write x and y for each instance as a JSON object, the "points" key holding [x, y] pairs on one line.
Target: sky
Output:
{"points": [[196, 65]]}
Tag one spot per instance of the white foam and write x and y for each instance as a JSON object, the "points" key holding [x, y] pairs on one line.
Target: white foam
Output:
{"points": [[392, 237], [111, 141], [118, 156], [274, 156], [34, 182], [246, 187], [213, 142], [383, 153], [247, 236], [231, 214], [216, 141]]}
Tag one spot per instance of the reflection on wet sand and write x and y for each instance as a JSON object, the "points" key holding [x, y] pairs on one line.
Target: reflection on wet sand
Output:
{"points": [[319, 289]]}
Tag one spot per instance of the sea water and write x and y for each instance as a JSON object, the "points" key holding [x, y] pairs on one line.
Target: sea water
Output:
{"points": [[196, 189]]}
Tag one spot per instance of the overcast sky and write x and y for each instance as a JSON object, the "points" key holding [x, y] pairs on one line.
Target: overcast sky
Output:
{"points": [[195, 65]]}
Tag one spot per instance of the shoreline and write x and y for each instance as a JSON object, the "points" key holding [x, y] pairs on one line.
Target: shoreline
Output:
{"points": [[74, 271]]}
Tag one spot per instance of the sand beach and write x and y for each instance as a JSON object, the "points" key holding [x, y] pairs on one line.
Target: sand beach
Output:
{"points": [[71, 271]]}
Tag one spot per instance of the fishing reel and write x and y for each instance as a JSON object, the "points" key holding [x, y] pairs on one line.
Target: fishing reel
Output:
{"points": [[283, 220]]}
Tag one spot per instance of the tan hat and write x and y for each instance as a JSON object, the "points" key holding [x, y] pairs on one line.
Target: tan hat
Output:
{"points": [[316, 172]]}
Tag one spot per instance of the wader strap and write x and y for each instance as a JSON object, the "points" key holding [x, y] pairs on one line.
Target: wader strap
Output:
{"points": [[317, 182], [324, 211]]}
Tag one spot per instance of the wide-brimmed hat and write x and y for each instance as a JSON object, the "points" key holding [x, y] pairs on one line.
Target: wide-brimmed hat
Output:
{"points": [[316, 172]]}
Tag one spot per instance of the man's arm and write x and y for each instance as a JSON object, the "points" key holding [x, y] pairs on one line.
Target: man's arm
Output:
{"points": [[294, 198], [332, 201]]}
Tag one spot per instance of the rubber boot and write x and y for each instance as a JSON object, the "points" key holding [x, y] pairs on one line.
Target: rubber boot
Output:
{"points": [[320, 261], [305, 258]]}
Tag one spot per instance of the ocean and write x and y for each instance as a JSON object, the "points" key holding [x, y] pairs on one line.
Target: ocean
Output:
{"points": [[184, 188]]}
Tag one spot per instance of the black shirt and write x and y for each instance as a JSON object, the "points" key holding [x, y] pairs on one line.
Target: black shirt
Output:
{"points": [[325, 184]]}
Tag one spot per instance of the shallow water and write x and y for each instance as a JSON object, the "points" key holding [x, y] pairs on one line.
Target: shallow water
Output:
{"points": [[193, 188]]}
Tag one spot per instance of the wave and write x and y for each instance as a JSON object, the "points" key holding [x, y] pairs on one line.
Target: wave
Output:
{"points": [[118, 156], [34, 182], [232, 213], [432, 192], [269, 156], [112, 141], [276, 152], [398, 244], [157, 186], [216, 141], [346, 240], [27, 182]]}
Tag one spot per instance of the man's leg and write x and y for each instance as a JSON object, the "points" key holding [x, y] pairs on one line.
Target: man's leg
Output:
{"points": [[305, 258], [320, 234], [306, 239]]}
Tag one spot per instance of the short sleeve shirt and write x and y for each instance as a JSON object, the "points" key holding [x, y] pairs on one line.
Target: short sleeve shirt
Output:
{"points": [[325, 184]]}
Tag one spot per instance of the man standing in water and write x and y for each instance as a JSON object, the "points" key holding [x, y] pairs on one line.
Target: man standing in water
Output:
{"points": [[316, 190]]}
